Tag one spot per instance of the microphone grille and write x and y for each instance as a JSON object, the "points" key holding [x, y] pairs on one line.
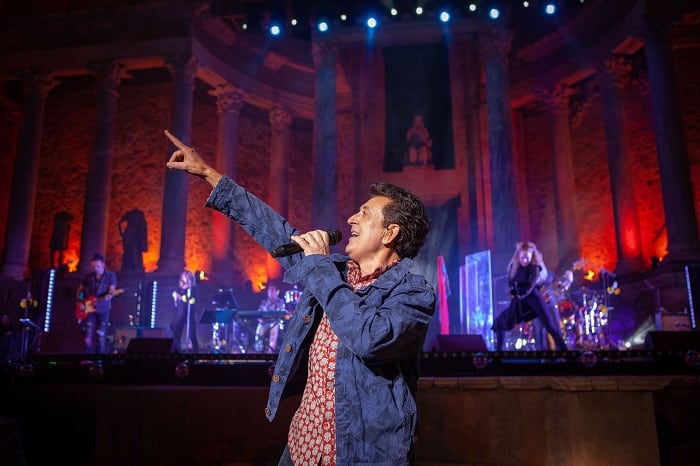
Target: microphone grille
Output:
{"points": [[334, 236]]}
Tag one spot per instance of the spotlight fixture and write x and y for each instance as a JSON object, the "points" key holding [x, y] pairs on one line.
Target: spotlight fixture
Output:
{"points": [[182, 370], [494, 13], [322, 26], [692, 358], [471, 7], [589, 359], [275, 30], [97, 370], [480, 360], [371, 22], [444, 16], [419, 10], [550, 8], [393, 12]]}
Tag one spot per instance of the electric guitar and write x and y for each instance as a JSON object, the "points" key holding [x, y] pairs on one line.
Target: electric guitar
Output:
{"points": [[88, 305]]}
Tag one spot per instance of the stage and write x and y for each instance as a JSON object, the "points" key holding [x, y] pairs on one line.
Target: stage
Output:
{"points": [[512, 408]]}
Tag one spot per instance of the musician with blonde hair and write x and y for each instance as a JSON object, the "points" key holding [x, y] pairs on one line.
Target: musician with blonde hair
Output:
{"points": [[527, 273]]}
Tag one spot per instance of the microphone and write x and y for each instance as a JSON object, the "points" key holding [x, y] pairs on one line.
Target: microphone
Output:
{"points": [[334, 237]]}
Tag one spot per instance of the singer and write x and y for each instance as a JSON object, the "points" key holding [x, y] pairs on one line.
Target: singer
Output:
{"points": [[354, 341]]}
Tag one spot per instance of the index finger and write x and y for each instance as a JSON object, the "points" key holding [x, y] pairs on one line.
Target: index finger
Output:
{"points": [[179, 144]]}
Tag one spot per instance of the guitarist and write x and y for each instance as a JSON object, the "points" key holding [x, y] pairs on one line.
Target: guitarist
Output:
{"points": [[99, 286]]}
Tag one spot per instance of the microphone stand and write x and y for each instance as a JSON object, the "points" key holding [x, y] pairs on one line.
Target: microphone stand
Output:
{"points": [[188, 340]]}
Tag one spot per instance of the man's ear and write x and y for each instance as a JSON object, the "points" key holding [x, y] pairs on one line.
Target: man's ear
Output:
{"points": [[390, 233]]}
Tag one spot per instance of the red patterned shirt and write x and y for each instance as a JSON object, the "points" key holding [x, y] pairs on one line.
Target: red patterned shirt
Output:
{"points": [[311, 436]]}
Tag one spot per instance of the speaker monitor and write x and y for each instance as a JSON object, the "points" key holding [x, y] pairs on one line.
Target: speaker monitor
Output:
{"points": [[672, 341], [122, 337], [150, 346], [461, 343]]}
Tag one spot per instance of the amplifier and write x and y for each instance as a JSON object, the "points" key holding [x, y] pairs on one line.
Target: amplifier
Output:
{"points": [[676, 323]]}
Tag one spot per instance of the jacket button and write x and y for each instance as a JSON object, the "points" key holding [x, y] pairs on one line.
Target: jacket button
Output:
{"points": [[276, 378], [267, 411], [307, 319], [288, 348]]}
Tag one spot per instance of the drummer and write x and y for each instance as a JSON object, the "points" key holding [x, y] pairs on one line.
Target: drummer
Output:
{"points": [[267, 331]]}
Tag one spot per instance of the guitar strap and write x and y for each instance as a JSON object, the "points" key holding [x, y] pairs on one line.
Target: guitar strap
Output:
{"points": [[99, 288]]}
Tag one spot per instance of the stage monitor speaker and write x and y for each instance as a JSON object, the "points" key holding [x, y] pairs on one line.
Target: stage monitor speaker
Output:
{"points": [[461, 343], [672, 341], [122, 337], [150, 346]]}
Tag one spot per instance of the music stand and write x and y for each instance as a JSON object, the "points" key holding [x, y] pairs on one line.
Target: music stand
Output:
{"points": [[218, 318]]}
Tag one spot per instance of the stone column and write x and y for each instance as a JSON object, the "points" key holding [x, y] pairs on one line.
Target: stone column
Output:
{"points": [[20, 217], [477, 239], [325, 144], [613, 77], [9, 133], [280, 121], [229, 100], [676, 184], [494, 48], [174, 217], [569, 245], [99, 176]]}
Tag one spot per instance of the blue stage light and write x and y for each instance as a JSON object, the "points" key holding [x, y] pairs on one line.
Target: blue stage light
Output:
{"points": [[371, 22], [322, 26], [494, 13], [444, 16]]}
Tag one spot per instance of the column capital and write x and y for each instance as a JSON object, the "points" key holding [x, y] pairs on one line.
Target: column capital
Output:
{"points": [[40, 82], [324, 53], [229, 98], [494, 43], [616, 70], [109, 74], [557, 99], [280, 118], [182, 67]]}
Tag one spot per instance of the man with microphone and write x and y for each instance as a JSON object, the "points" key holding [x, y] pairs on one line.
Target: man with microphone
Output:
{"points": [[354, 341]]}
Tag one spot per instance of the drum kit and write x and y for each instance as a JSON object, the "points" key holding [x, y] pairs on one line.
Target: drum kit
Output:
{"points": [[582, 315], [237, 331], [583, 319]]}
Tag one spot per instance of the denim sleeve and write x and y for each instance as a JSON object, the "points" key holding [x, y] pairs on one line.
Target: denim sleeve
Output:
{"points": [[259, 220], [382, 323]]}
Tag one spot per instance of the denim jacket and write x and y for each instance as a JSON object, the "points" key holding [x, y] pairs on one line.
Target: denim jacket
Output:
{"points": [[381, 329]]}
